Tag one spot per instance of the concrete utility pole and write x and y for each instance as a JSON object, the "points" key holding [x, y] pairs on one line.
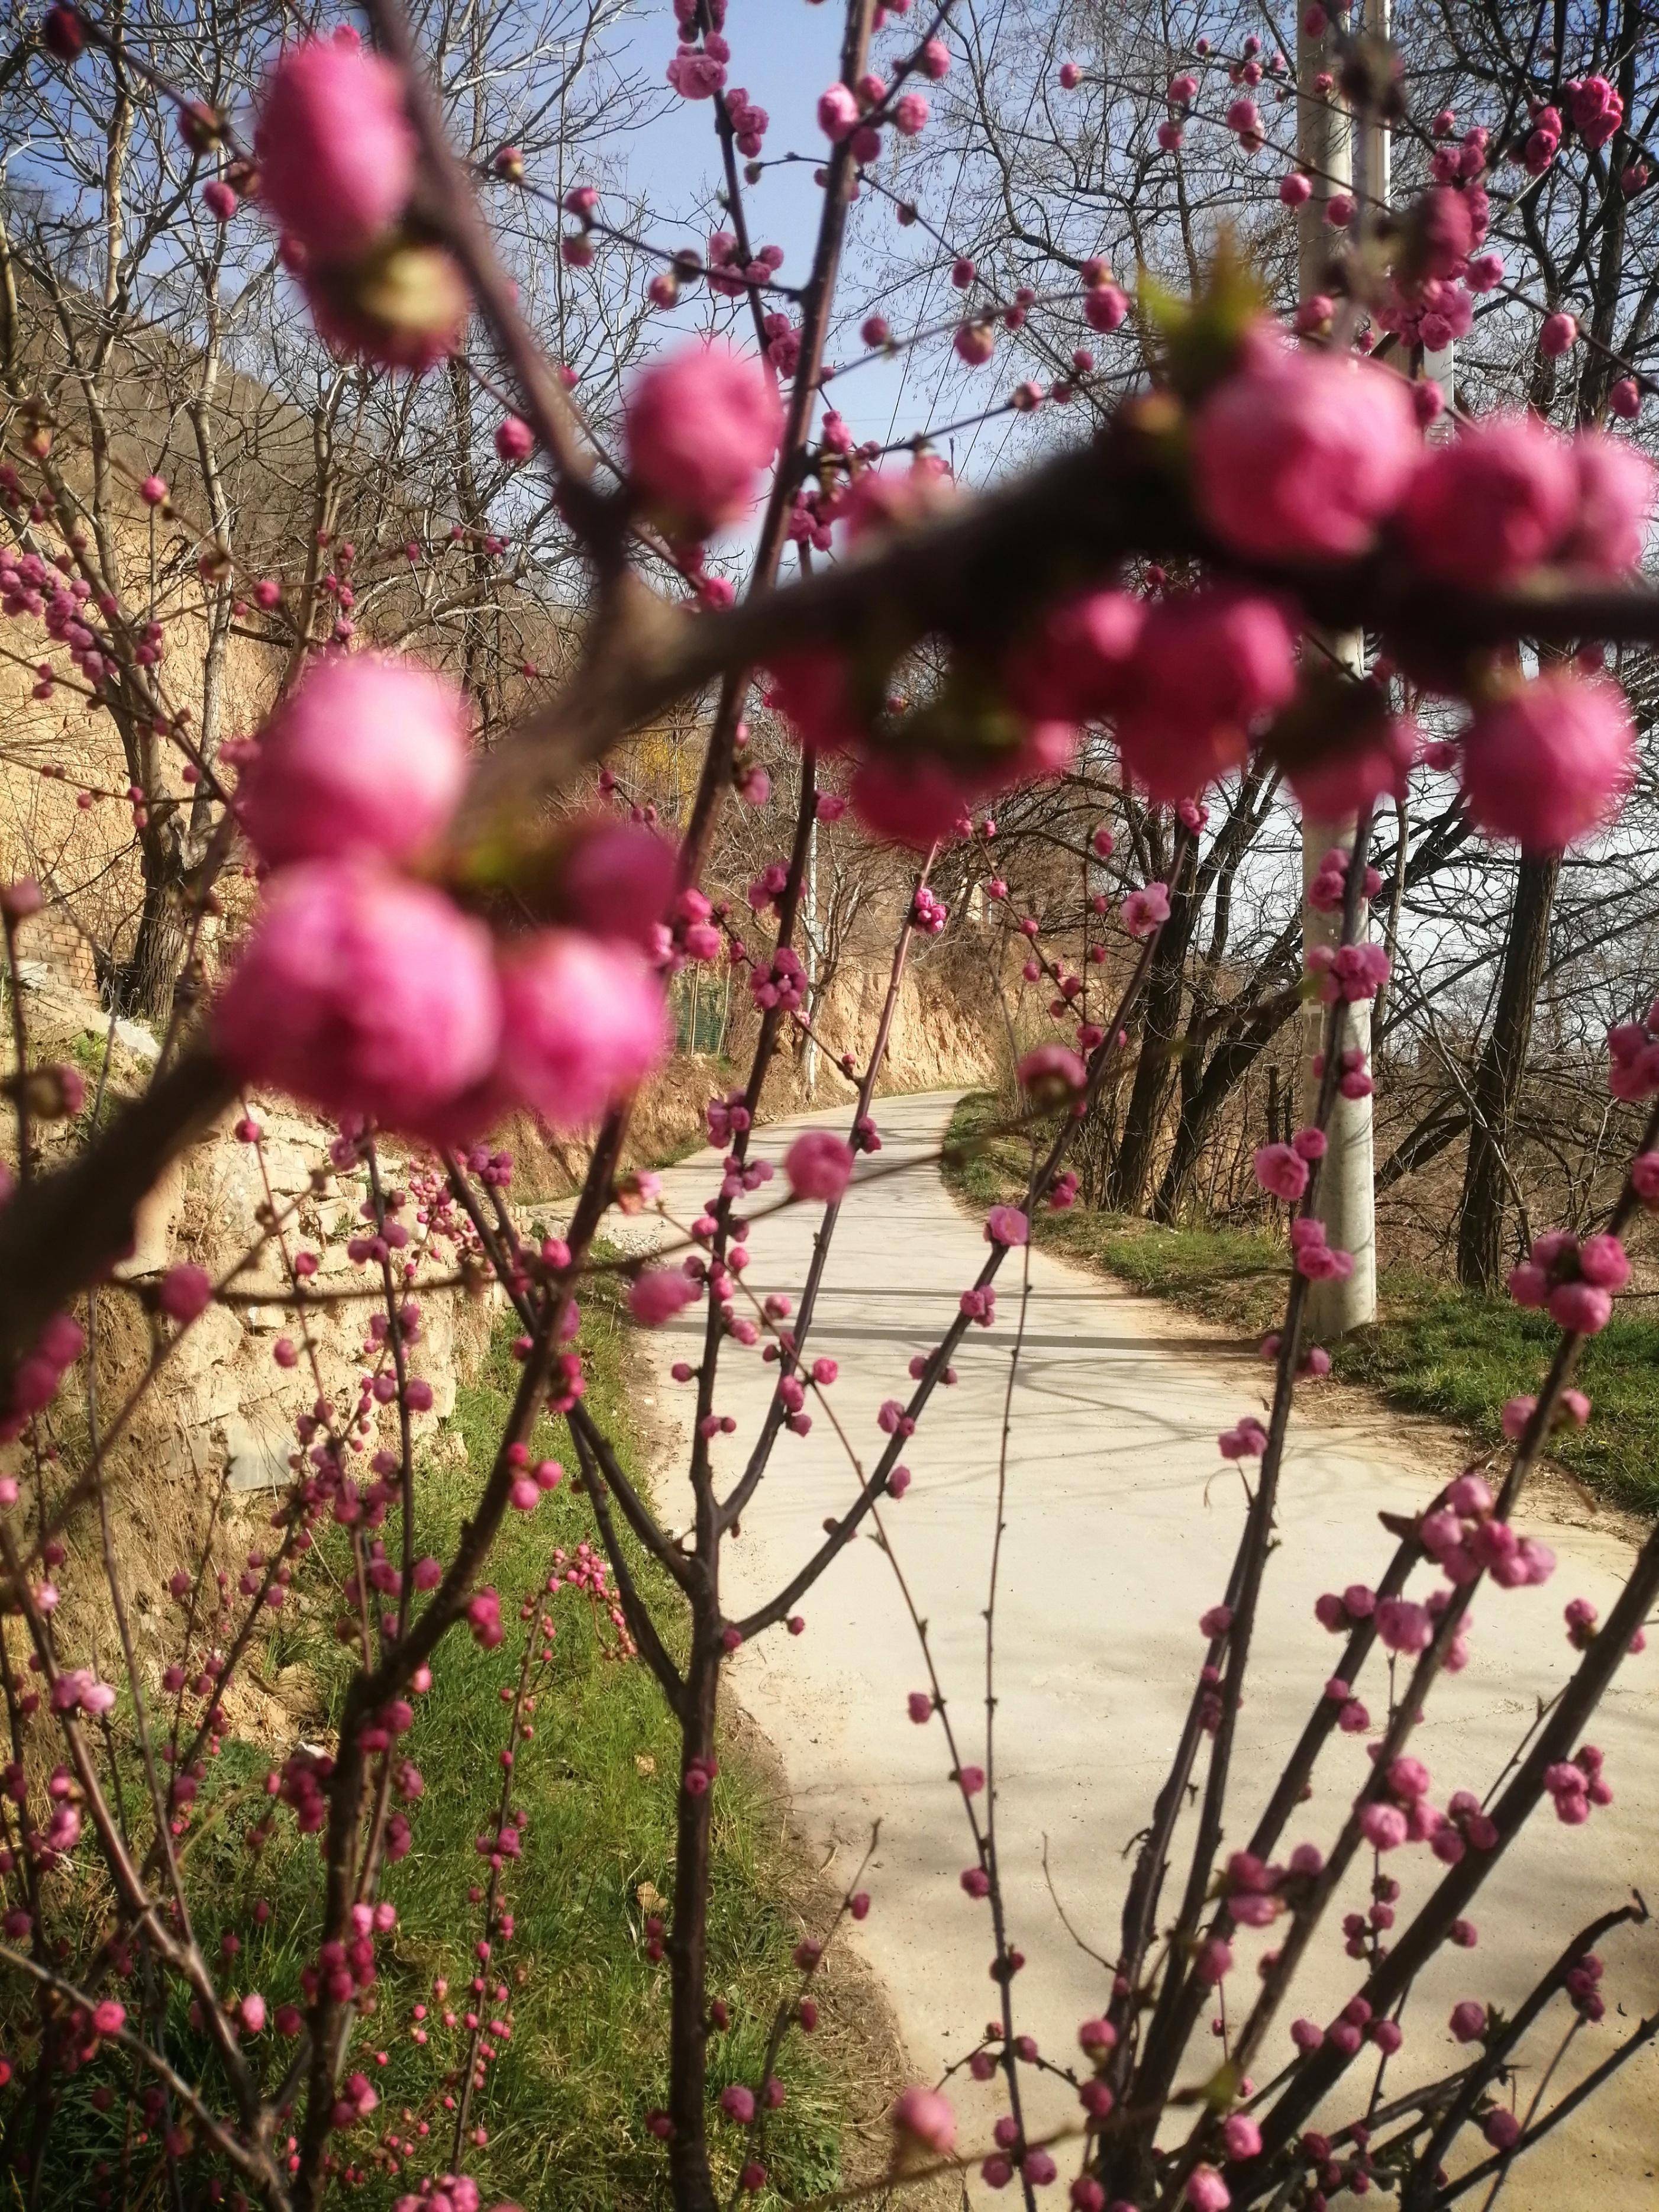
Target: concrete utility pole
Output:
{"points": [[1347, 1190], [809, 933]]}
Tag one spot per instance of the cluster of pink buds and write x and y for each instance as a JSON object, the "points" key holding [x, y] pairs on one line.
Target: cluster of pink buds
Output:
{"points": [[1349, 972], [449, 2192], [1575, 1280], [1575, 1784], [1583, 1987], [749, 121], [483, 1614], [726, 1118], [1597, 108], [781, 982], [1633, 1075], [28, 587], [768, 887], [697, 68], [1465, 1539], [1362, 1929], [302, 1783], [928, 913], [1312, 1257], [37, 1378], [364, 987], [1282, 1169], [79, 1690], [1329, 886]]}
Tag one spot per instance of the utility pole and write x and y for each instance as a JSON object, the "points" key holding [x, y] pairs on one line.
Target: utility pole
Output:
{"points": [[1325, 142], [810, 931]]}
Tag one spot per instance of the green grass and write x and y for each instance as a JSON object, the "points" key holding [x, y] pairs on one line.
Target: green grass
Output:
{"points": [[565, 2101], [1435, 1348]]}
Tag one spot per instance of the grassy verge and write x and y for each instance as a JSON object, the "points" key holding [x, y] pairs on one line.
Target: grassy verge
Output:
{"points": [[566, 2098], [1435, 1349]]}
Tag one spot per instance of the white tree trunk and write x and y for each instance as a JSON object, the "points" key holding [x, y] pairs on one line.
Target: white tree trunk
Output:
{"points": [[1347, 1188]]}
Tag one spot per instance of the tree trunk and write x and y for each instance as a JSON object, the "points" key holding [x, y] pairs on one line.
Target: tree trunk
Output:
{"points": [[1132, 1170], [1482, 1209], [688, 1939], [143, 982], [1231, 1060]]}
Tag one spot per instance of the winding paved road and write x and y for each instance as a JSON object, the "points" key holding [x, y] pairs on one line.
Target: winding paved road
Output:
{"points": [[1120, 1523]]}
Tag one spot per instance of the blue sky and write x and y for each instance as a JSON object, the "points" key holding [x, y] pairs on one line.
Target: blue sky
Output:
{"points": [[784, 52]]}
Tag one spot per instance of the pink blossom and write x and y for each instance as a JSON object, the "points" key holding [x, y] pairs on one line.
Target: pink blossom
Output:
{"points": [[1367, 766], [1211, 664], [838, 111], [185, 1291], [916, 801], [1300, 455], [1075, 664], [364, 994], [1558, 334], [659, 1294], [1603, 1261], [1616, 496], [1241, 2138], [924, 2117], [1282, 1172], [108, 2016], [1147, 909], [701, 426], [695, 73], [1468, 2021], [1006, 1225], [1105, 307], [1493, 502], [1550, 761], [336, 150], [738, 2103], [583, 1024], [820, 1165], [366, 755], [251, 2011], [1206, 2191], [1051, 1073], [616, 880], [1403, 1625], [1581, 1308], [515, 440]]}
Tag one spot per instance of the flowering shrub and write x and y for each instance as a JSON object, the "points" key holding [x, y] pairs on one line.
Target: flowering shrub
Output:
{"points": [[426, 955]]}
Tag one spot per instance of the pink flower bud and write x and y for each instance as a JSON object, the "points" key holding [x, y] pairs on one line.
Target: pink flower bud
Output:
{"points": [[701, 427], [366, 755], [336, 150], [1301, 455], [364, 994], [1550, 761], [819, 1166]]}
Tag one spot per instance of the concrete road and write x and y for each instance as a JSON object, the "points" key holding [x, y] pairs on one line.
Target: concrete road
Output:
{"points": [[1121, 1520]]}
